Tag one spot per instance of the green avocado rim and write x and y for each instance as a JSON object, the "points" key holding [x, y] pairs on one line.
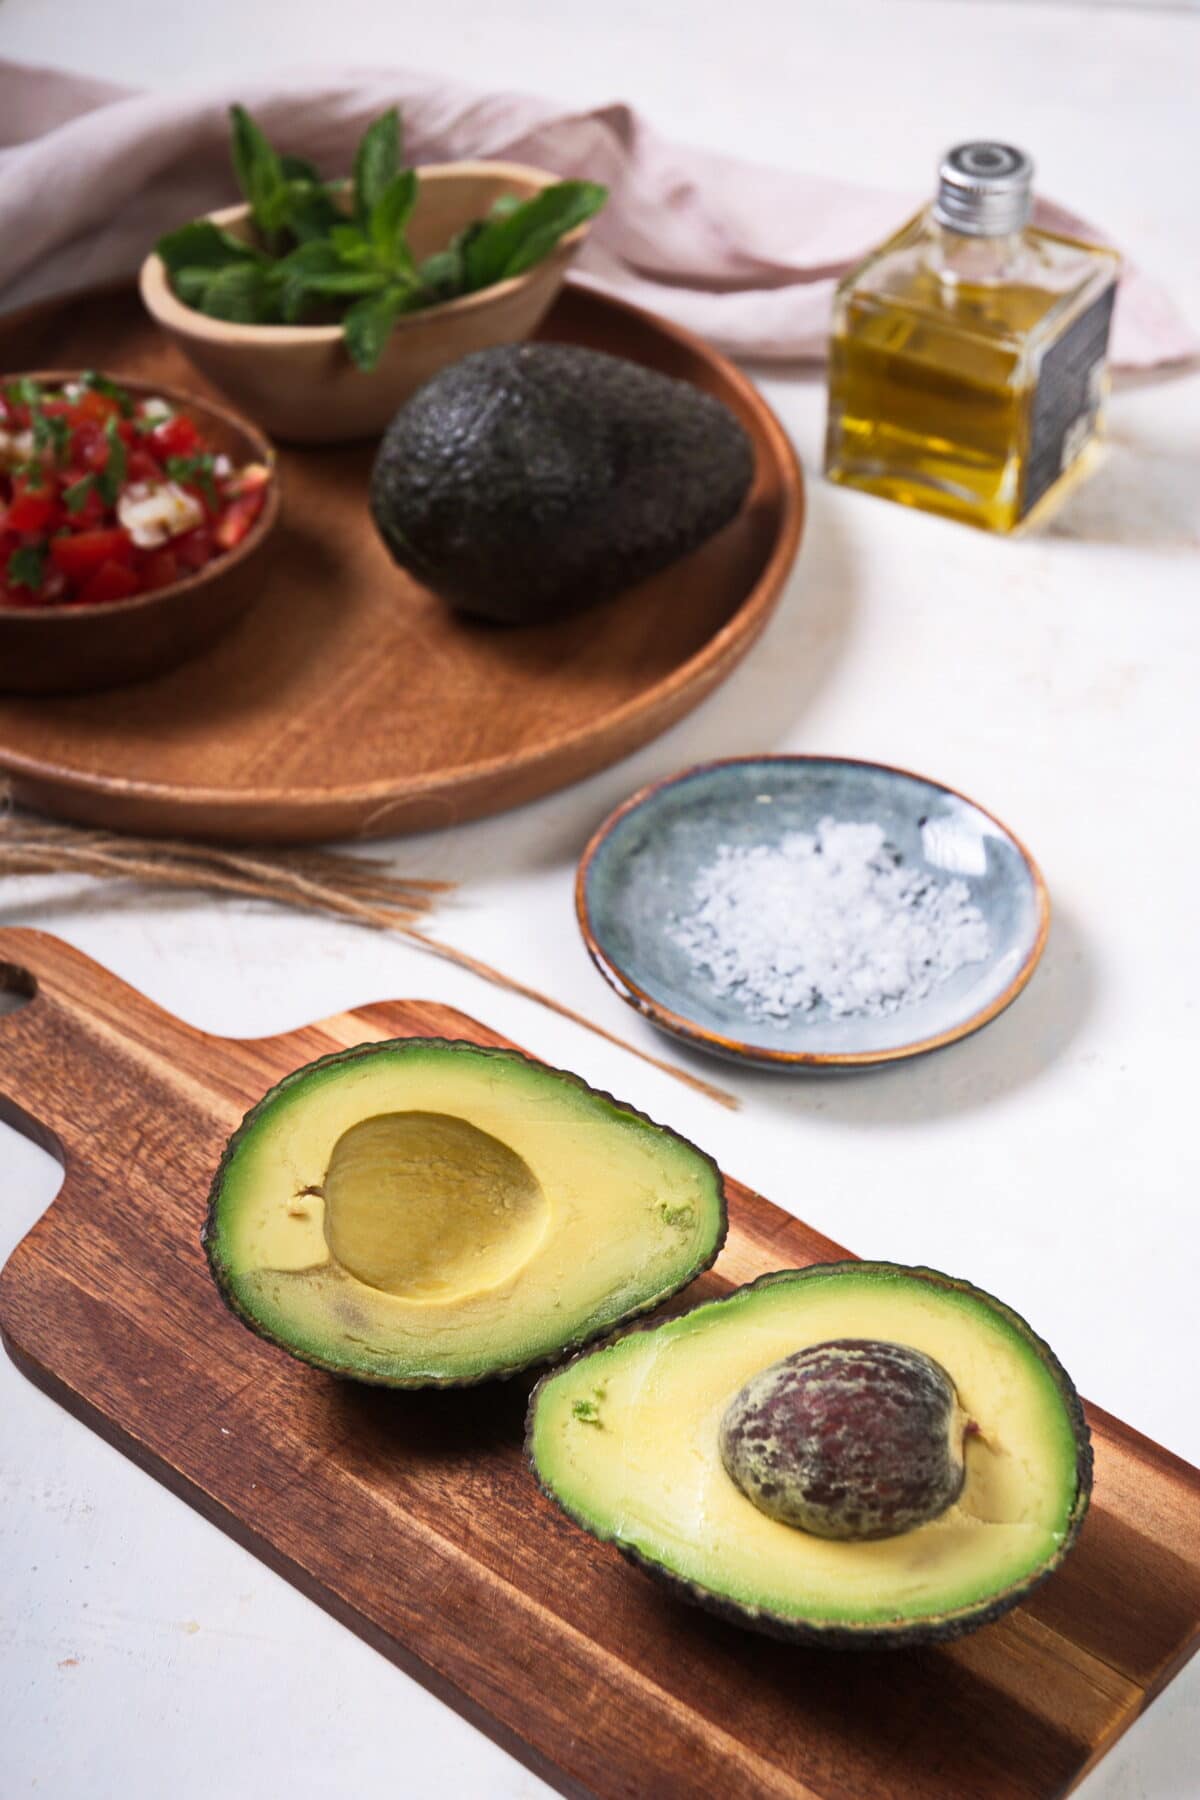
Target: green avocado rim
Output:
{"points": [[212, 1240], [844, 1634]]}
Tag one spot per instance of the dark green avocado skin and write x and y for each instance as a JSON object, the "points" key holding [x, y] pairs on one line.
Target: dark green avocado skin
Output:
{"points": [[904, 1634], [220, 1274], [529, 481]]}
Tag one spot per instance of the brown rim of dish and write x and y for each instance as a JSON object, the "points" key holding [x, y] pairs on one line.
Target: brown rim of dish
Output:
{"points": [[263, 450], [692, 1033]]}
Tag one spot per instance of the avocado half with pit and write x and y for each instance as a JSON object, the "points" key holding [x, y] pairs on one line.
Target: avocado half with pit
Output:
{"points": [[852, 1454], [424, 1213]]}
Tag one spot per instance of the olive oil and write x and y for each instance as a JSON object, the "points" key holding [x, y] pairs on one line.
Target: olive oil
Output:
{"points": [[967, 364]]}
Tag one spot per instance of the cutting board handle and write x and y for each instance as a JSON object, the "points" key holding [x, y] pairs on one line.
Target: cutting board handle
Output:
{"points": [[61, 1051]]}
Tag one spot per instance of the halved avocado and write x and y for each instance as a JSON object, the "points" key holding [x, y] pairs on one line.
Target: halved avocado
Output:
{"points": [[425, 1213], [628, 1440]]}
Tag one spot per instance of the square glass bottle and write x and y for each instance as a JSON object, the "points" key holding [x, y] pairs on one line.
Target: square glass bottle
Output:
{"points": [[968, 358]]}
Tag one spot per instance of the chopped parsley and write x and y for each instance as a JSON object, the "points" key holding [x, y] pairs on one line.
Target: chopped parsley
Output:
{"points": [[51, 434], [113, 473], [102, 384], [27, 567], [195, 471], [75, 497], [23, 392]]}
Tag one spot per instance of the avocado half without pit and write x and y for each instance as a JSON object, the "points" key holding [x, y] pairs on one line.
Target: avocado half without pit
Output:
{"points": [[853, 1454], [426, 1213]]}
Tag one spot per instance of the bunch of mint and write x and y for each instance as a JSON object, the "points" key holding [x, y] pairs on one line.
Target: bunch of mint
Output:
{"points": [[313, 258]]}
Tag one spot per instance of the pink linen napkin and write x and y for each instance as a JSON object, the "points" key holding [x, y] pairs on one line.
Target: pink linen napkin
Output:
{"points": [[91, 174]]}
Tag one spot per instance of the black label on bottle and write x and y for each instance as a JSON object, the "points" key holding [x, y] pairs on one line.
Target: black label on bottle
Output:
{"points": [[1067, 398]]}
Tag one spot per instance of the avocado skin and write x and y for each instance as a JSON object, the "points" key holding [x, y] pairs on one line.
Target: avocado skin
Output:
{"points": [[529, 481], [907, 1634], [220, 1274]]}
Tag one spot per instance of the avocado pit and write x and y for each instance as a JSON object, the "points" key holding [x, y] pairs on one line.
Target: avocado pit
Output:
{"points": [[851, 1439]]}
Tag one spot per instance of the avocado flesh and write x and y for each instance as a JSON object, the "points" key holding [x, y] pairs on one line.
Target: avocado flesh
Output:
{"points": [[422, 1212], [626, 1439]]}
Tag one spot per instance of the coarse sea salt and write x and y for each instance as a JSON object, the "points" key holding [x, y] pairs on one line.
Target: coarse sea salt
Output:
{"points": [[831, 919]]}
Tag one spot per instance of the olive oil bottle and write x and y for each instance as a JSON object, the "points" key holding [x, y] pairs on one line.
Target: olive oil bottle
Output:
{"points": [[967, 364]]}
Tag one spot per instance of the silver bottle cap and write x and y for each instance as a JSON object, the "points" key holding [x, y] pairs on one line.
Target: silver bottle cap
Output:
{"points": [[984, 189]]}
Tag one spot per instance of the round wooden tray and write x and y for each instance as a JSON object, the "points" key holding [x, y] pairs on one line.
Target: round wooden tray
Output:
{"points": [[348, 701]]}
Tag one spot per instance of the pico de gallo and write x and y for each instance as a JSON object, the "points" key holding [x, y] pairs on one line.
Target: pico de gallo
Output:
{"points": [[105, 494]]}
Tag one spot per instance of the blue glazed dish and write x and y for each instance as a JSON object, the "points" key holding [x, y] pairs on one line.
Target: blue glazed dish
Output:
{"points": [[635, 879]]}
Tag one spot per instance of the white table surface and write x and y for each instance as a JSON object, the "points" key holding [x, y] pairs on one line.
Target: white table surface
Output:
{"points": [[1052, 1158]]}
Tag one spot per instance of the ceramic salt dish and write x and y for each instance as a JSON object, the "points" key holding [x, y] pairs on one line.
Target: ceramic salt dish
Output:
{"points": [[811, 913]]}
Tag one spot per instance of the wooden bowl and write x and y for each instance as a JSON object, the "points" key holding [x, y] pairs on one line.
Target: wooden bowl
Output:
{"points": [[78, 649], [298, 380]]}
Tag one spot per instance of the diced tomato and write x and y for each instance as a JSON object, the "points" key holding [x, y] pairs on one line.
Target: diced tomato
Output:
{"points": [[141, 466], [237, 518], [18, 596], [89, 513], [248, 480], [97, 407], [89, 447], [112, 581], [177, 436], [82, 554], [31, 508], [159, 568], [194, 549]]}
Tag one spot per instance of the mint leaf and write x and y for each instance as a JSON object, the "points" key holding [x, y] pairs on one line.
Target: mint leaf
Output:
{"points": [[520, 237], [298, 168], [244, 293], [347, 281], [367, 325], [75, 496], [26, 567], [259, 171], [311, 211], [315, 271], [296, 271], [388, 223], [202, 245], [111, 477], [376, 164], [442, 275], [351, 244]]}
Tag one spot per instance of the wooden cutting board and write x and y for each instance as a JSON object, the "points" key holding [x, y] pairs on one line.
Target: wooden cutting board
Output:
{"points": [[412, 1518], [348, 701]]}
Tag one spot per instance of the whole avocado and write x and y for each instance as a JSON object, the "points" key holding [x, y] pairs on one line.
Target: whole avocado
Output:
{"points": [[529, 481]]}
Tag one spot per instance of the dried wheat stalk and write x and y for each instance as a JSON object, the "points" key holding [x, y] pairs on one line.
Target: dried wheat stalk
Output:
{"points": [[351, 887]]}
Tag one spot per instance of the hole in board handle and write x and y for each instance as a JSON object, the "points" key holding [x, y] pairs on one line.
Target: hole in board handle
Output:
{"points": [[17, 988]]}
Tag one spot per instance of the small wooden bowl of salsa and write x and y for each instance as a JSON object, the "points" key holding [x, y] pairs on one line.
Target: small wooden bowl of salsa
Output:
{"points": [[129, 513]]}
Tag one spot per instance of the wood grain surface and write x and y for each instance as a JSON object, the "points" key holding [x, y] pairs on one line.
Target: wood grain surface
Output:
{"points": [[412, 1518], [348, 701]]}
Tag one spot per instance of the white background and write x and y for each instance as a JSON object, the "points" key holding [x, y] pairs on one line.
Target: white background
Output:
{"points": [[1051, 1159]]}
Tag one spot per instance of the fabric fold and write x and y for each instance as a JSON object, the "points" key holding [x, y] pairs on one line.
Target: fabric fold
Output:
{"points": [[745, 255]]}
